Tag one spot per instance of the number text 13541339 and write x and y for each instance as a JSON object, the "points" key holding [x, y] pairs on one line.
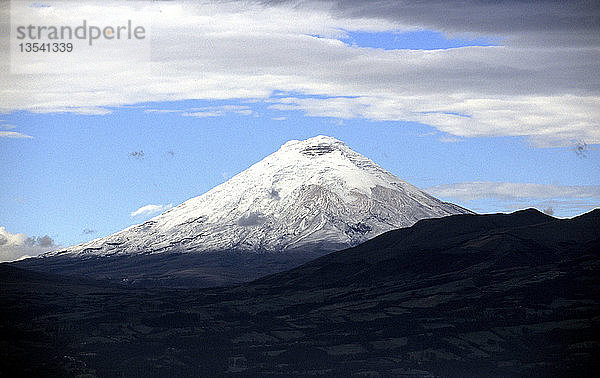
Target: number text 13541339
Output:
{"points": [[55, 47]]}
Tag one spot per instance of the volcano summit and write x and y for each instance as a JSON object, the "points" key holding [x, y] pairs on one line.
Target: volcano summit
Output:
{"points": [[309, 198], [311, 194]]}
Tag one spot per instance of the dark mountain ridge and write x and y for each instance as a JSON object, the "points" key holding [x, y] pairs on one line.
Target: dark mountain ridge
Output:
{"points": [[475, 295], [524, 238]]}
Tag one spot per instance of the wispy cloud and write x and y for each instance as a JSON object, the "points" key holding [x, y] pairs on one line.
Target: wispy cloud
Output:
{"points": [[14, 134], [537, 117], [559, 199], [548, 211], [539, 84], [150, 209], [72, 107], [203, 114], [162, 111], [217, 111], [18, 246], [510, 190]]}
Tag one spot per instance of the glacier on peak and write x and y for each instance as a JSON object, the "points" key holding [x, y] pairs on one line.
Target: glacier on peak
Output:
{"points": [[310, 194]]}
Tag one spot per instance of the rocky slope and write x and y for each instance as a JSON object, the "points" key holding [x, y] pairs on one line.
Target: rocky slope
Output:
{"points": [[311, 194]]}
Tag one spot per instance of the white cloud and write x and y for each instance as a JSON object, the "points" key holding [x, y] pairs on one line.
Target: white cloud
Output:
{"points": [[467, 191], [19, 246], [564, 200], [150, 209], [72, 108], [7, 126], [244, 50], [549, 121], [217, 111], [14, 134], [162, 111], [202, 114]]}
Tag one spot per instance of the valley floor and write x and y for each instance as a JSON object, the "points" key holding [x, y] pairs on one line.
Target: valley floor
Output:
{"points": [[482, 299], [448, 328]]}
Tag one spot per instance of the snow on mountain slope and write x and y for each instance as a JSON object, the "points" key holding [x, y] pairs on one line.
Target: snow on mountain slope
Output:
{"points": [[315, 193]]}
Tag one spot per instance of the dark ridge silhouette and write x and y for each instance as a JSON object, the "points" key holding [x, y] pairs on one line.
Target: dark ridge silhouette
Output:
{"points": [[443, 244], [466, 295]]}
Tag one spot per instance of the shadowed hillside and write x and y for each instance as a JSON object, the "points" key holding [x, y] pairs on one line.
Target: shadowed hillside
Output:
{"points": [[466, 295]]}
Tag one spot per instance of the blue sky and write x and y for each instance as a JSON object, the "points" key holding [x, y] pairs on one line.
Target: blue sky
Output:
{"points": [[415, 40], [448, 110], [81, 172]]}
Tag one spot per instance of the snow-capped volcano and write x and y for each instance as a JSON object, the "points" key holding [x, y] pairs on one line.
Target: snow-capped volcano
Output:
{"points": [[315, 193]]}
